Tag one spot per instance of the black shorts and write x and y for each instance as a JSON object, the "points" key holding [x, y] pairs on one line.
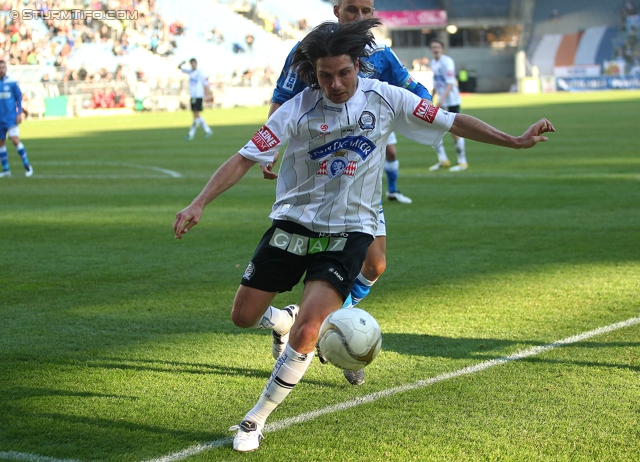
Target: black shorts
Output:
{"points": [[454, 109], [196, 104], [288, 249]]}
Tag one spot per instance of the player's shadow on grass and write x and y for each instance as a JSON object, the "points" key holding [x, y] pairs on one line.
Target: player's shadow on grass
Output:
{"points": [[485, 349], [18, 393], [173, 367]]}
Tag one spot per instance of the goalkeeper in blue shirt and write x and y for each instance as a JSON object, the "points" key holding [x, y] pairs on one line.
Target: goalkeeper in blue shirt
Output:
{"points": [[10, 118]]}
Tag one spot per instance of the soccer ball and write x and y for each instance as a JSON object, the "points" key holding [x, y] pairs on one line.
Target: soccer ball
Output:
{"points": [[350, 338]]}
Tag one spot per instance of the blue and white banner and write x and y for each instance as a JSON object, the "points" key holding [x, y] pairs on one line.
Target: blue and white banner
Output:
{"points": [[597, 83]]}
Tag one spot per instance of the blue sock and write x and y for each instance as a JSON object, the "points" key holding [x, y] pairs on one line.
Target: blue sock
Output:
{"points": [[347, 303], [361, 288], [391, 169], [4, 158], [22, 152]]}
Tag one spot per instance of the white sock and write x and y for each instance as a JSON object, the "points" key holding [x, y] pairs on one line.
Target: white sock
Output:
{"points": [[192, 130], [460, 151], [287, 372], [274, 319], [442, 154], [204, 125], [391, 166]]}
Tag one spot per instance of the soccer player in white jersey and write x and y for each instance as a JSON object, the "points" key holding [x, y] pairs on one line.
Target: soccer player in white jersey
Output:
{"points": [[446, 87], [327, 196], [385, 67], [198, 91]]}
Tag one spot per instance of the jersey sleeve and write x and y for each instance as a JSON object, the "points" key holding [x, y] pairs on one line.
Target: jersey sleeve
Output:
{"points": [[394, 72], [273, 135], [450, 72], [289, 83], [420, 120], [17, 94]]}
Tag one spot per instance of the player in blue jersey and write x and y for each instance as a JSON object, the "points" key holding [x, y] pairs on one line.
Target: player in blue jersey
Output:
{"points": [[10, 118], [387, 68]]}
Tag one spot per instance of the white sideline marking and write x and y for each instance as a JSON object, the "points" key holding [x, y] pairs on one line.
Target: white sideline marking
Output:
{"points": [[171, 173], [285, 423], [12, 455]]}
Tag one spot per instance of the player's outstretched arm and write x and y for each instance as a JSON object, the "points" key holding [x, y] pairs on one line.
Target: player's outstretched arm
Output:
{"points": [[226, 176], [471, 128]]}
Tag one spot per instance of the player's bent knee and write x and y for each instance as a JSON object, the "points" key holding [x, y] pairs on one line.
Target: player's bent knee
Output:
{"points": [[239, 319], [374, 268], [304, 336]]}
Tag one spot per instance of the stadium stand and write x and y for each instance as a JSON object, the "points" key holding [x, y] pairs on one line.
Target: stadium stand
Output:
{"points": [[580, 33]]}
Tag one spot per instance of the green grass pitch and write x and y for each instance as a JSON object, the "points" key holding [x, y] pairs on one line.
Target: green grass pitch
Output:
{"points": [[116, 342]]}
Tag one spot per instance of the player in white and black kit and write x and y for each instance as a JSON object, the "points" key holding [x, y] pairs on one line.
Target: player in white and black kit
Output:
{"points": [[446, 87], [199, 91], [328, 194]]}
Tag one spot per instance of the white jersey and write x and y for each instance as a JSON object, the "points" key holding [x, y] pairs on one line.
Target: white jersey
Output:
{"points": [[197, 82], [330, 179], [444, 73]]}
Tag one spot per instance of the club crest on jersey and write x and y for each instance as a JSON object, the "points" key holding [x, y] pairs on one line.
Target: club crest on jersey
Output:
{"points": [[361, 145], [264, 139], [367, 121], [426, 111], [337, 167]]}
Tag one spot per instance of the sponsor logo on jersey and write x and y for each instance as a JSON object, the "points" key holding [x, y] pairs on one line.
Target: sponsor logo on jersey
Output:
{"points": [[336, 274], [303, 245], [290, 81], [426, 111], [249, 272], [367, 121], [324, 127], [5, 95], [264, 139], [361, 145], [332, 108]]}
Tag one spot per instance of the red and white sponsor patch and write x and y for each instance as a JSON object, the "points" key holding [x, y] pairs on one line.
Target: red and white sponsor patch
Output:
{"points": [[324, 127], [264, 139], [426, 111]]}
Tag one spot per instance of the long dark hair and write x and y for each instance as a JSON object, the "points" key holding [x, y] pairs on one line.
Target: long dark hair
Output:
{"points": [[333, 39]]}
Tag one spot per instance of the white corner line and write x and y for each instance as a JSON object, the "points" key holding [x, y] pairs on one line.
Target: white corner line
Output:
{"points": [[311, 415]]}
